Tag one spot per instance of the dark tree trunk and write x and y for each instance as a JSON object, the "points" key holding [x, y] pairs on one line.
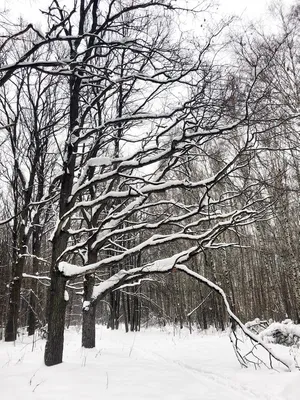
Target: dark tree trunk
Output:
{"points": [[14, 302], [114, 301], [36, 250], [13, 310], [112, 318], [31, 313], [125, 312], [56, 302], [70, 309], [134, 321], [89, 315], [128, 309], [56, 319], [117, 309]]}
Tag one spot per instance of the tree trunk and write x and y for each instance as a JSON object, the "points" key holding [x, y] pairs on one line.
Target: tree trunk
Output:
{"points": [[56, 302], [36, 250], [14, 302], [88, 339], [31, 321], [13, 310], [125, 312], [70, 309], [56, 319]]}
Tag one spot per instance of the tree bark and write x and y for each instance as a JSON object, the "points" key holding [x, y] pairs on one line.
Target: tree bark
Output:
{"points": [[57, 303], [31, 321], [89, 315], [125, 312], [13, 310], [36, 250], [14, 300], [56, 319]]}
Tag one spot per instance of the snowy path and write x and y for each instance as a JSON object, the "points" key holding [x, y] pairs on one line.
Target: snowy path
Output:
{"points": [[146, 365]]}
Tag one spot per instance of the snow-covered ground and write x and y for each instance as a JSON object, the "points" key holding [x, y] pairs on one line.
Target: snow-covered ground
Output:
{"points": [[152, 364]]}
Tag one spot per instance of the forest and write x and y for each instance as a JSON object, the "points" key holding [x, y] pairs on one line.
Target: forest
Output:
{"points": [[149, 170]]}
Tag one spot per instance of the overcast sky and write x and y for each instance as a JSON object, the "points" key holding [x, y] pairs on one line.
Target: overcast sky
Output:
{"points": [[246, 8]]}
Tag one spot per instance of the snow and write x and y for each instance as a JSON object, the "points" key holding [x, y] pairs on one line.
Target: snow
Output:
{"points": [[249, 324], [287, 328], [86, 305], [163, 265], [158, 266], [98, 161], [153, 364], [68, 269]]}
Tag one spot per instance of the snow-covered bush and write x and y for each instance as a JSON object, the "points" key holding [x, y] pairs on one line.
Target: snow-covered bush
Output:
{"points": [[286, 333]]}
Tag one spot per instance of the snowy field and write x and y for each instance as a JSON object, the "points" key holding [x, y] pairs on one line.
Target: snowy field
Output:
{"points": [[151, 364]]}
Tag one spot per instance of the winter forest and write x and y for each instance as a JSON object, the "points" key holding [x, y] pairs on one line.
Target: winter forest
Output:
{"points": [[149, 183]]}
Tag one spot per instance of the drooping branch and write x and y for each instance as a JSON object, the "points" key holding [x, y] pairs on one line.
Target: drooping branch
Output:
{"points": [[175, 263]]}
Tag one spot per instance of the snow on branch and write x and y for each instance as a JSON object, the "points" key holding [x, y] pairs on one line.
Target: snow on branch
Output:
{"points": [[206, 239], [41, 278], [147, 189], [199, 305], [35, 257], [175, 262], [255, 338], [286, 333], [37, 277], [123, 276], [137, 283], [151, 155], [257, 325]]}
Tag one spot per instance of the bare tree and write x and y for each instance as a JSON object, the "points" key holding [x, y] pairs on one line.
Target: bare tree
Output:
{"points": [[146, 109], [122, 190], [30, 118]]}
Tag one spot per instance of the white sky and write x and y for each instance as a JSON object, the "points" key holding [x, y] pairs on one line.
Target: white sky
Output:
{"points": [[248, 9]]}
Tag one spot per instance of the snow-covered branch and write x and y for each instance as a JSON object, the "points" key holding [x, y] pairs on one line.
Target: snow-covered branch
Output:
{"points": [[34, 256], [234, 218], [37, 277], [167, 265]]}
